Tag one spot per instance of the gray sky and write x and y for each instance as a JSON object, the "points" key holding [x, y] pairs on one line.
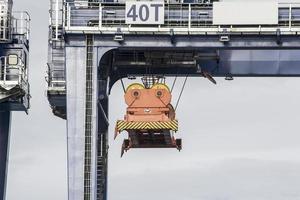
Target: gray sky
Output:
{"points": [[241, 140]]}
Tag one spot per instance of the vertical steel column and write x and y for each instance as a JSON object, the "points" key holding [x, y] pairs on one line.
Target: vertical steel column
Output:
{"points": [[76, 97], [87, 131], [4, 144], [103, 72], [102, 140]]}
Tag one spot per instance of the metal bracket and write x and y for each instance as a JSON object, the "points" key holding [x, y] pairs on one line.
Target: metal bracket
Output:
{"points": [[172, 36], [119, 36], [229, 78], [278, 37], [224, 37]]}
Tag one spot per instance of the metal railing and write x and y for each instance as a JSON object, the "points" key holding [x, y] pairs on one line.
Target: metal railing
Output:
{"points": [[56, 65], [5, 28], [13, 74], [56, 78], [5, 20], [16, 24], [56, 17], [180, 17], [21, 24]]}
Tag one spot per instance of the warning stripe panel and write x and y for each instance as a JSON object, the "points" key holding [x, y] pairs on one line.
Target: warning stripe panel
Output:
{"points": [[124, 125]]}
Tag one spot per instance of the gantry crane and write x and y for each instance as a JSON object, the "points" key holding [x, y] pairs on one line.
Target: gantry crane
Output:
{"points": [[94, 44]]}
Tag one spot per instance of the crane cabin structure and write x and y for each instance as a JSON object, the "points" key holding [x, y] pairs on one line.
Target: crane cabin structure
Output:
{"points": [[14, 86], [93, 44]]}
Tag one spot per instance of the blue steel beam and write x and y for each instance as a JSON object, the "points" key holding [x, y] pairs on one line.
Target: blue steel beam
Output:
{"points": [[195, 42], [239, 63], [254, 55]]}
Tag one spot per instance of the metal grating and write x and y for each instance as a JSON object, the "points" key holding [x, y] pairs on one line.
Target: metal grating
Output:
{"points": [[88, 118], [101, 181]]}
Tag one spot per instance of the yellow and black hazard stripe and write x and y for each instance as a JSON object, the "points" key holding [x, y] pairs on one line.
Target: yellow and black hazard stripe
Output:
{"points": [[169, 125]]}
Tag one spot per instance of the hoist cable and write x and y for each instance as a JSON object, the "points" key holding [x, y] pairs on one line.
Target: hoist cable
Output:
{"points": [[174, 82], [181, 92], [123, 85]]}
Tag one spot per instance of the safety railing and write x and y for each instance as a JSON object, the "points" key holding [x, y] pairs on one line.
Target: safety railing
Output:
{"points": [[181, 17], [56, 17], [56, 78], [21, 24], [16, 24], [56, 68], [5, 20], [13, 72], [5, 28]]}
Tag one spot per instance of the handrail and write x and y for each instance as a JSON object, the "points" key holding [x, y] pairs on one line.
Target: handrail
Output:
{"points": [[21, 23], [15, 23], [55, 77], [5, 21], [56, 17]]}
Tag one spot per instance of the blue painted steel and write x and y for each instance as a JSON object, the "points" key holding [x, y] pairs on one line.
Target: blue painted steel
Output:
{"points": [[255, 63], [4, 144]]}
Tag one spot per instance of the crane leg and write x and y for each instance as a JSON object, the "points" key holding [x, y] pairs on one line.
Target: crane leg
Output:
{"points": [[4, 144]]}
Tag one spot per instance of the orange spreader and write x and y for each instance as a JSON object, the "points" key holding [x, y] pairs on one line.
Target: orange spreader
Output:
{"points": [[150, 118]]}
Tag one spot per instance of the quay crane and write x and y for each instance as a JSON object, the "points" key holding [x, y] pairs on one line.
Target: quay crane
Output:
{"points": [[93, 44]]}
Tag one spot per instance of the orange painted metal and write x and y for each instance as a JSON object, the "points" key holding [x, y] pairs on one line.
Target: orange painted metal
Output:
{"points": [[149, 105]]}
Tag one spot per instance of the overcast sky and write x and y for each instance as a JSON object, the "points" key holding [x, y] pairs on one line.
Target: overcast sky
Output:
{"points": [[241, 140]]}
